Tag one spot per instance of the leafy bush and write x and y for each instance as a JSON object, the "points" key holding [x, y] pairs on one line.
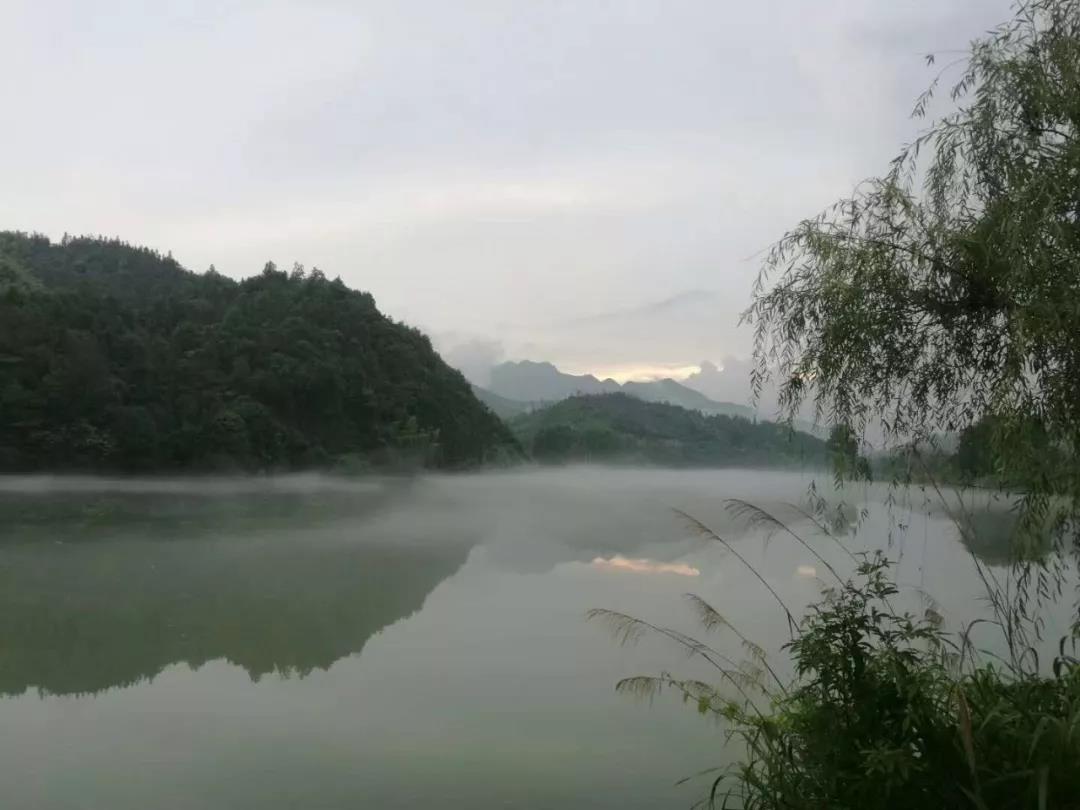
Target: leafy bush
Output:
{"points": [[879, 716], [884, 710]]}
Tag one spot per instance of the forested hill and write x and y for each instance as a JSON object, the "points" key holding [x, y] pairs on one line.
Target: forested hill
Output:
{"points": [[621, 428], [114, 357]]}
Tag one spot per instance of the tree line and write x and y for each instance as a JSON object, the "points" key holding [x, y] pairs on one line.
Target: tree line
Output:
{"points": [[620, 428]]}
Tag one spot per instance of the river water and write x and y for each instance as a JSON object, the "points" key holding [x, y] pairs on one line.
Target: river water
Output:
{"points": [[311, 642]]}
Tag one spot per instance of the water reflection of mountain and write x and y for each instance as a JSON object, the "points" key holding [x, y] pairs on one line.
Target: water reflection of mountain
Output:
{"points": [[79, 617]]}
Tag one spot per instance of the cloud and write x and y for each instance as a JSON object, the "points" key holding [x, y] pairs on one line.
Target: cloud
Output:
{"points": [[665, 306], [473, 357], [727, 382], [636, 372]]}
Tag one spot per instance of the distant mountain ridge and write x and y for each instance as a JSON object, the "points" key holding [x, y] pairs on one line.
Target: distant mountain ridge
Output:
{"points": [[532, 383], [535, 382]]}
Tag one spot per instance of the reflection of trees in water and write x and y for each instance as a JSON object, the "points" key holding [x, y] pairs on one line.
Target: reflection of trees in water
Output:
{"points": [[990, 535], [995, 537], [80, 515], [83, 617], [990, 530]]}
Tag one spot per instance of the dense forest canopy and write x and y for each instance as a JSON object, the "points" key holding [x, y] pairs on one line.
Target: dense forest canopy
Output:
{"points": [[618, 427], [114, 357]]}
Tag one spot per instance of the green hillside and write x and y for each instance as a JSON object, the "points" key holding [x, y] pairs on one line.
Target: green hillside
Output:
{"points": [[621, 428], [502, 407], [114, 357]]}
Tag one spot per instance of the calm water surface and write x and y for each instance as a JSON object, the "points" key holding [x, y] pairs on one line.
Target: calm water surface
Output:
{"points": [[318, 643]]}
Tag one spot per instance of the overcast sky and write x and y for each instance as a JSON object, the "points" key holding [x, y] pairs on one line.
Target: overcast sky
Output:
{"points": [[586, 182]]}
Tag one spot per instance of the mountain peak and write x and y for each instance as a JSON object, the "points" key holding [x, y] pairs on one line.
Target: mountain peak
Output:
{"points": [[535, 364], [530, 381]]}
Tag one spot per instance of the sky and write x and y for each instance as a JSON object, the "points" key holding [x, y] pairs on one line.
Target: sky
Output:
{"points": [[588, 182]]}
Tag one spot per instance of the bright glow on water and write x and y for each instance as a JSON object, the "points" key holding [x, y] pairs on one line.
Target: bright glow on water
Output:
{"points": [[645, 566]]}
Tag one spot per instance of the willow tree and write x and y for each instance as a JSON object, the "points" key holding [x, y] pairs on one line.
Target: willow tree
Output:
{"points": [[947, 291]]}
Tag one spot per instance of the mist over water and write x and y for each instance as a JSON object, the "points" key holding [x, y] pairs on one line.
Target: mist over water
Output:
{"points": [[322, 642]]}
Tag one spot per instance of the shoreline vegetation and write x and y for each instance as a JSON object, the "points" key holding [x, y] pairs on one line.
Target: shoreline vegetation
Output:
{"points": [[618, 428]]}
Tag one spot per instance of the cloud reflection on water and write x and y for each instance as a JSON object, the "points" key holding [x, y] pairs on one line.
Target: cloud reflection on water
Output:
{"points": [[643, 565]]}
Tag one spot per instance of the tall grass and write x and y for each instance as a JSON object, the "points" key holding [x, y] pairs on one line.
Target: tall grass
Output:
{"points": [[885, 709]]}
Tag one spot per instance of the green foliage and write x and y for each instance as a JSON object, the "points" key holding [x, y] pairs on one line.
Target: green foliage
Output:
{"points": [[844, 456], [974, 452], [879, 717], [884, 710], [621, 428], [116, 358], [948, 290]]}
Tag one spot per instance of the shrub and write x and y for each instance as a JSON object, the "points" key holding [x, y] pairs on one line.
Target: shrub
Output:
{"points": [[884, 710]]}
